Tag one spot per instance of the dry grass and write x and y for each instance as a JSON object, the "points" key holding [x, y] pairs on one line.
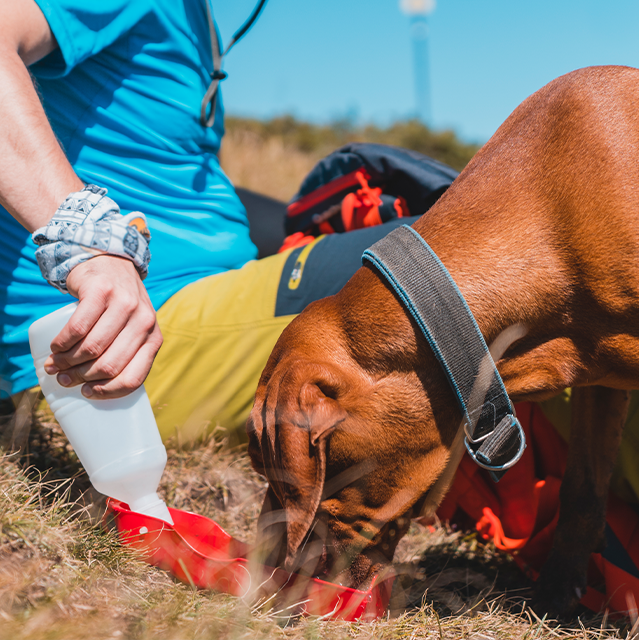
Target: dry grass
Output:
{"points": [[272, 157], [267, 166], [62, 576]]}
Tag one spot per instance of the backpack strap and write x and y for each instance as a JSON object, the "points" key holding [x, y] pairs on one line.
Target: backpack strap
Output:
{"points": [[210, 97]]}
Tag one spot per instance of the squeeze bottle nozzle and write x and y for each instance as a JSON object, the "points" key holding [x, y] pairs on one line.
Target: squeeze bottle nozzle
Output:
{"points": [[117, 441]]}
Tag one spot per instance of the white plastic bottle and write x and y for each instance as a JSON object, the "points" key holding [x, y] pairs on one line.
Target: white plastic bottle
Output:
{"points": [[117, 441]]}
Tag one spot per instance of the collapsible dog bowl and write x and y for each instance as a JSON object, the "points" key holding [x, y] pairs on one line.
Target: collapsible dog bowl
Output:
{"points": [[197, 551]]}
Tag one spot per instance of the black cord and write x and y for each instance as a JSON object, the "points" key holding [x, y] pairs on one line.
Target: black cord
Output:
{"points": [[246, 26], [209, 101]]}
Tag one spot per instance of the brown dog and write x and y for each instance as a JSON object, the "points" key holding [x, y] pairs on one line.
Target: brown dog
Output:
{"points": [[354, 420]]}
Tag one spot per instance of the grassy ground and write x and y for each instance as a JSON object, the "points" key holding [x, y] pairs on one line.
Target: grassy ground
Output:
{"points": [[62, 576]]}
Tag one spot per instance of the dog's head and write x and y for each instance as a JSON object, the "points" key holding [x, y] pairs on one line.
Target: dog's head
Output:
{"points": [[344, 427]]}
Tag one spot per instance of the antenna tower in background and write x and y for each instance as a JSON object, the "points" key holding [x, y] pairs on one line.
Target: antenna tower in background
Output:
{"points": [[418, 10]]}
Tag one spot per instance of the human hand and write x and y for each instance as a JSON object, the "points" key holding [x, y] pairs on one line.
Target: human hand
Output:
{"points": [[110, 342]]}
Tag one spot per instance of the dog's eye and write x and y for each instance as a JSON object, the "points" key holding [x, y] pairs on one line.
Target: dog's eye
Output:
{"points": [[328, 391]]}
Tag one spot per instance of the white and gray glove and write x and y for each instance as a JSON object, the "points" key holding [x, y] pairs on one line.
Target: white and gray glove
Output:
{"points": [[88, 224]]}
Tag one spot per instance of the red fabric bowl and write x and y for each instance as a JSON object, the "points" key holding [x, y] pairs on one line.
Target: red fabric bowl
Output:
{"points": [[197, 551]]}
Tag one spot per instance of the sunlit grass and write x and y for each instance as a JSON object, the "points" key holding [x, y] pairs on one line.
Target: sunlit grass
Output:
{"points": [[63, 576], [273, 157]]}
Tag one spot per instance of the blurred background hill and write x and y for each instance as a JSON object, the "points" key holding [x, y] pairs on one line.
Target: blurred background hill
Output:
{"points": [[322, 61], [273, 156]]}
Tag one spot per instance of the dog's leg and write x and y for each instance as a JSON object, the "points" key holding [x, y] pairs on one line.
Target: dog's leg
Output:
{"points": [[598, 417]]}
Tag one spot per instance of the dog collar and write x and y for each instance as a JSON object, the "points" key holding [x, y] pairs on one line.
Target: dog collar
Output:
{"points": [[493, 436]]}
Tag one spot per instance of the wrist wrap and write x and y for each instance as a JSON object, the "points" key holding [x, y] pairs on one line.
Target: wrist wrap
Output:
{"points": [[88, 224]]}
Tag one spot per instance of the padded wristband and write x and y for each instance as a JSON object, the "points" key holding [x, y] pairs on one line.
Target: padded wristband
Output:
{"points": [[88, 224]]}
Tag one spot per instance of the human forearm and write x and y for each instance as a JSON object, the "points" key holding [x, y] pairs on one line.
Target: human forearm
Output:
{"points": [[109, 343], [35, 176]]}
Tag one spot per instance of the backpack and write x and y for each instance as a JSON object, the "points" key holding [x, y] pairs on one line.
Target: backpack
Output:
{"points": [[363, 185]]}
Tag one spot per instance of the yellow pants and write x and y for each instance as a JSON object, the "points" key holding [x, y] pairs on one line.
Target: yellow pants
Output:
{"points": [[218, 334], [219, 331]]}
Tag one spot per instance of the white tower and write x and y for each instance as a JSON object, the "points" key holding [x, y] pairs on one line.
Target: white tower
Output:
{"points": [[418, 10]]}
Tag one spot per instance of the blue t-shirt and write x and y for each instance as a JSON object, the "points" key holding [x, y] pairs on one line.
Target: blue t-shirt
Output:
{"points": [[123, 94]]}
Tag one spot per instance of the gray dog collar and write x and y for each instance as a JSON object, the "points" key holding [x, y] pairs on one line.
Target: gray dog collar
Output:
{"points": [[494, 437]]}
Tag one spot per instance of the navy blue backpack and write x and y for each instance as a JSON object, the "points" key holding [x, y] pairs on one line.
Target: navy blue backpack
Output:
{"points": [[362, 185]]}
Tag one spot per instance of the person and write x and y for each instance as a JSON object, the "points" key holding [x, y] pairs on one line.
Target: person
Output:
{"points": [[107, 95], [100, 120]]}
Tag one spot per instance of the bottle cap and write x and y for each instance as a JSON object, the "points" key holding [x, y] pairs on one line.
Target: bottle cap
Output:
{"points": [[153, 506]]}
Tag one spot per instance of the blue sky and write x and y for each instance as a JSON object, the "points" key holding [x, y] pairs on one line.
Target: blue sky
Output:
{"points": [[323, 60]]}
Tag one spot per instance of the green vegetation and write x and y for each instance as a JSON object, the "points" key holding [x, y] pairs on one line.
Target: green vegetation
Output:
{"points": [[320, 140]]}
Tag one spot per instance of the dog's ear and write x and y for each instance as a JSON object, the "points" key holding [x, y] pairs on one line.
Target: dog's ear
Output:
{"points": [[297, 450], [254, 433]]}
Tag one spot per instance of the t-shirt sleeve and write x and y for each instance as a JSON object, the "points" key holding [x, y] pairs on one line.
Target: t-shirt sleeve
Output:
{"points": [[83, 28]]}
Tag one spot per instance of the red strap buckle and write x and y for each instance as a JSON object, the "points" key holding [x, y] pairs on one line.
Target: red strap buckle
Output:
{"points": [[361, 209]]}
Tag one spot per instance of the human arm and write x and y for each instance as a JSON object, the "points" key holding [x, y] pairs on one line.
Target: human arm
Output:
{"points": [[111, 340]]}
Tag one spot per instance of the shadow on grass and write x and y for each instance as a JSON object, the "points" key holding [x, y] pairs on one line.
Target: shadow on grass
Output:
{"points": [[456, 574]]}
